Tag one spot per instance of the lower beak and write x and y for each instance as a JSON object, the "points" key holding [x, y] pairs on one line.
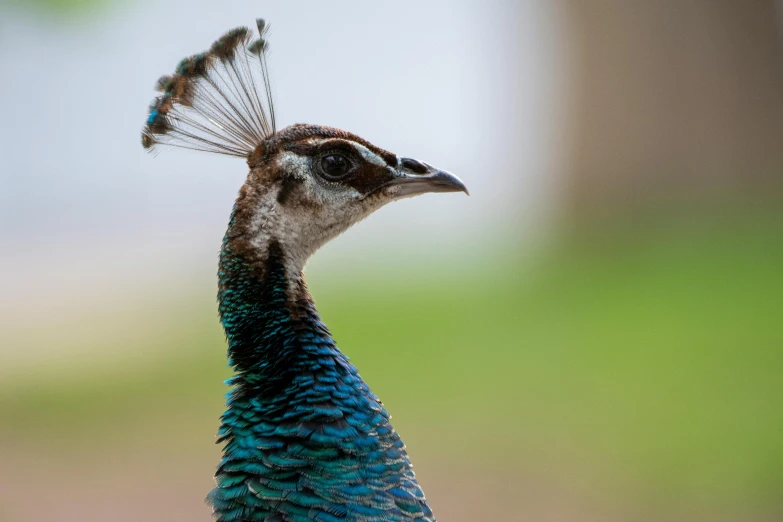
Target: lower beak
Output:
{"points": [[433, 180]]}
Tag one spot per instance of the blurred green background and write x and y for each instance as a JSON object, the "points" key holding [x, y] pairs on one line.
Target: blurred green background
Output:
{"points": [[613, 354]]}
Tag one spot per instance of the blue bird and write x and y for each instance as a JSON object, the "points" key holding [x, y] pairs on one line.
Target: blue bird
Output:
{"points": [[304, 437]]}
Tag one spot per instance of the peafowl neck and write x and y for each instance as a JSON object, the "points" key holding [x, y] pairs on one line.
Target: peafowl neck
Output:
{"points": [[304, 435], [266, 313]]}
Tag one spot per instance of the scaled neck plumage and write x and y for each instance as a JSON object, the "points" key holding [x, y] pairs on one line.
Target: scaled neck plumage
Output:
{"points": [[265, 309], [304, 436]]}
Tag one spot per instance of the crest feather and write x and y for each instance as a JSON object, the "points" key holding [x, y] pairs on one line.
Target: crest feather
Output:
{"points": [[212, 101]]}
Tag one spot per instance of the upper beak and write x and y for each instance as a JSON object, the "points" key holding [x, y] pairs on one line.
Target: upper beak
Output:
{"points": [[420, 177]]}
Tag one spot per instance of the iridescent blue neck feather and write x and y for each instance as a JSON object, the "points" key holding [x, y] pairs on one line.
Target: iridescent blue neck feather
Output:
{"points": [[305, 438]]}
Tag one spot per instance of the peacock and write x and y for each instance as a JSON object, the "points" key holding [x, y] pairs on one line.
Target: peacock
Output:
{"points": [[303, 436]]}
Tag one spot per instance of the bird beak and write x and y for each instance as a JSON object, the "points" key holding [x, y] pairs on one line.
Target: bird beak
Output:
{"points": [[425, 178]]}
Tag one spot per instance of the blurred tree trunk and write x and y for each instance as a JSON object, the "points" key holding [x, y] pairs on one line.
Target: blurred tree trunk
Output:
{"points": [[674, 100]]}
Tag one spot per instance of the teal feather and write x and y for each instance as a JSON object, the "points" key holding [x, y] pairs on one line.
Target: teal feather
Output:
{"points": [[304, 437]]}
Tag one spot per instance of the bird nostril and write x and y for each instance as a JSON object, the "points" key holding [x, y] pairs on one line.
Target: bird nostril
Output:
{"points": [[415, 166]]}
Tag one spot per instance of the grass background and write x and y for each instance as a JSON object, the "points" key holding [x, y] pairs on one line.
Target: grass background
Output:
{"points": [[639, 368]]}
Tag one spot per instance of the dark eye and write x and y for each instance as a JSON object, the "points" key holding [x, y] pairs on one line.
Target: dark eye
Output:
{"points": [[334, 166]]}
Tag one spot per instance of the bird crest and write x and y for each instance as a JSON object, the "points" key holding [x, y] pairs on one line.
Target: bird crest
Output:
{"points": [[217, 101]]}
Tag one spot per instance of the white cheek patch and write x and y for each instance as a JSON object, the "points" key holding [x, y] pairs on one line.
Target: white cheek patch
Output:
{"points": [[294, 163]]}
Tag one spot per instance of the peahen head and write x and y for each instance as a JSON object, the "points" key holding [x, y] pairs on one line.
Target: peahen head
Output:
{"points": [[307, 183]]}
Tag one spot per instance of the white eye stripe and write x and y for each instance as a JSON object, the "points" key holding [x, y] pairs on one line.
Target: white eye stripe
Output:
{"points": [[360, 149], [367, 154]]}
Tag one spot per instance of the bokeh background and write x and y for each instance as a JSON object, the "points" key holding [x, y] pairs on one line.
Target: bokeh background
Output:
{"points": [[595, 334]]}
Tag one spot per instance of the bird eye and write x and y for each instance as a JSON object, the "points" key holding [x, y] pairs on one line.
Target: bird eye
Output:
{"points": [[334, 166]]}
